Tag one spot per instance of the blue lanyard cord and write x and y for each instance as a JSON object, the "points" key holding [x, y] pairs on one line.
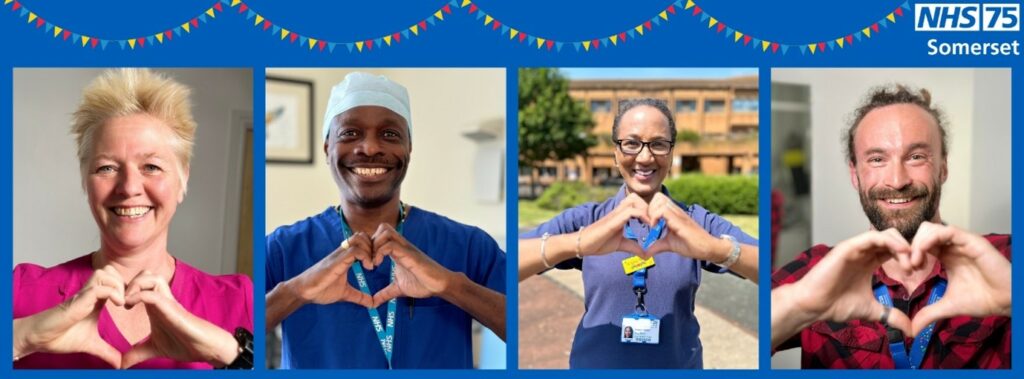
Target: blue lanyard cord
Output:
{"points": [[640, 276], [920, 344], [385, 333]]}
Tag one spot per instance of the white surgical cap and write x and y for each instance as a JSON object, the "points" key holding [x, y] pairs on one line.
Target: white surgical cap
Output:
{"points": [[362, 89]]}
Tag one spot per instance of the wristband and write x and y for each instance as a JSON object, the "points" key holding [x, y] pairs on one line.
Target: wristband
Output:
{"points": [[734, 253], [543, 257]]}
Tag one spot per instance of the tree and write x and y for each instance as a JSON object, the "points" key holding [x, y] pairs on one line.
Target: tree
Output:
{"points": [[552, 125]]}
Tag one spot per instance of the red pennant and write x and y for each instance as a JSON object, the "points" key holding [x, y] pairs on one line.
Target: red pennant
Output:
{"points": [[550, 43], [874, 27], [849, 39], [821, 46], [93, 42], [447, 9], [321, 44], [266, 24], [522, 36], [243, 8], [169, 35], [495, 25], [369, 44], [195, 23], [293, 38], [472, 8], [141, 42], [397, 37], [899, 11], [721, 27], [39, 22], [423, 25], [596, 43], [647, 24], [66, 35], [218, 7], [775, 47], [671, 9], [746, 40], [622, 36], [16, 6], [696, 11]]}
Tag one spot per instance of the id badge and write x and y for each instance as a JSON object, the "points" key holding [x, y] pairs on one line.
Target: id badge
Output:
{"points": [[640, 328]]}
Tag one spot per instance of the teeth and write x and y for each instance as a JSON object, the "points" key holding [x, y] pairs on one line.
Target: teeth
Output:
{"points": [[898, 201], [131, 211], [363, 171], [644, 172]]}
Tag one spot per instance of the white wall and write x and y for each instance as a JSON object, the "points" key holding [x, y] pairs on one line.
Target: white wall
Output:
{"points": [[977, 104], [445, 104], [52, 221]]}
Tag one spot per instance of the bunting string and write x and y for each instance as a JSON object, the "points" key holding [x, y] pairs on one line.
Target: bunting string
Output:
{"points": [[84, 40]]}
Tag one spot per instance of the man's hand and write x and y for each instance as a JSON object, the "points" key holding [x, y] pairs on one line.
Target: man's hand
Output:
{"points": [[416, 275], [326, 282], [979, 276]]}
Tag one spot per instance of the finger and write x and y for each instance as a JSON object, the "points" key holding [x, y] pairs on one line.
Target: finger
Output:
{"points": [[89, 299], [104, 278], [107, 353], [138, 354], [361, 298], [383, 296], [894, 242], [148, 298], [931, 238], [658, 247], [941, 309], [894, 317]]}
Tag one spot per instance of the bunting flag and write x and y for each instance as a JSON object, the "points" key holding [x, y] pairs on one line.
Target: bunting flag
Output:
{"points": [[83, 40], [309, 43], [772, 47], [536, 42]]}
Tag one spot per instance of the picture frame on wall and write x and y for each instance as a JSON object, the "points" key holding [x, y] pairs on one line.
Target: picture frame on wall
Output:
{"points": [[289, 121]]}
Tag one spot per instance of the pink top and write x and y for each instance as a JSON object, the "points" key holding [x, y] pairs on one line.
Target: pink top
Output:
{"points": [[224, 300]]}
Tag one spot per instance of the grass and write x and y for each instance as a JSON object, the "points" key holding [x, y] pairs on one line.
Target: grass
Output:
{"points": [[530, 215]]}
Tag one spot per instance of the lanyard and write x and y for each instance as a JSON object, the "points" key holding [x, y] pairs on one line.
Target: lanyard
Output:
{"points": [[385, 334], [920, 343], [640, 276]]}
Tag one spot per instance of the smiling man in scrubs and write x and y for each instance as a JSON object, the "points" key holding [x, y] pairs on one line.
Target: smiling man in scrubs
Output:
{"points": [[374, 282]]}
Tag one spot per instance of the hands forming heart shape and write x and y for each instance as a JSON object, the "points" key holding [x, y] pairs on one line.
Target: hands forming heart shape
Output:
{"points": [[416, 275], [72, 326], [839, 289]]}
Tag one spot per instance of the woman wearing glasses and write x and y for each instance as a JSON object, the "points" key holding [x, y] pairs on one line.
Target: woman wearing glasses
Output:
{"points": [[641, 253]]}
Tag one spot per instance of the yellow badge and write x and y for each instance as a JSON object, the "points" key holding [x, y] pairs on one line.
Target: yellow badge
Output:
{"points": [[634, 263]]}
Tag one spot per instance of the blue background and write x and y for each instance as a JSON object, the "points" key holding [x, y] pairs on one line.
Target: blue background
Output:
{"points": [[461, 40]]}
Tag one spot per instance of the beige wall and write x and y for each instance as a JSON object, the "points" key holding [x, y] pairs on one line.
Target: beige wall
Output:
{"points": [[445, 104]]}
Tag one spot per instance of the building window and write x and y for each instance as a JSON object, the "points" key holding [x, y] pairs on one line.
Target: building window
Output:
{"points": [[598, 106], [686, 106], [744, 105], [714, 106]]}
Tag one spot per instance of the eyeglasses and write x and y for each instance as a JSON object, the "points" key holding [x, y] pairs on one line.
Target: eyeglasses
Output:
{"points": [[634, 147]]}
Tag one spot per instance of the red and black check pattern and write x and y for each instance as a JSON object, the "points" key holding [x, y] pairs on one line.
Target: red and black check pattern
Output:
{"points": [[959, 342]]}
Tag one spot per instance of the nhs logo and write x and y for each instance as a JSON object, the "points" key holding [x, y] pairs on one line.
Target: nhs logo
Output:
{"points": [[966, 17]]}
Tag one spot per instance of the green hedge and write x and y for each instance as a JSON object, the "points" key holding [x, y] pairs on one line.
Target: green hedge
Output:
{"points": [[733, 194], [563, 195]]}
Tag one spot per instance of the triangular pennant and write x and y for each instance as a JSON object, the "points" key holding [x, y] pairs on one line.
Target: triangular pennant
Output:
{"points": [[858, 36], [540, 42], [602, 41], [293, 37], [405, 33], [439, 15], [874, 27], [506, 29], [49, 26], [622, 36], [397, 37], [121, 43], [746, 40], [149, 40], [259, 19], [704, 17], [657, 22], [576, 45], [250, 14], [464, 2], [430, 20], [480, 15], [663, 15], [103, 44], [764, 45], [689, 4], [218, 7], [448, 7], [891, 17], [712, 22], [330, 46], [423, 25], [284, 32], [775, 47], [530, 39], [615, 40], [74, 36], [209, 12], [639, 29], [558, 46], [756, 42], [849, 38], [187, 27], [785, 48], [31, 16], [369, 44], [359, 46], [85, 40], [160, 38], [522, 36], [631, 33], [812, 47], [202, 17], [387, 40], [131, 43], [586, 45], [898, 12], [349, 46], [738, 36], [415, 29], [302, 39], [840, 42], [177, 31], [884, 23], [721, 26], [866, 31], [906, 5], [831, 45], [377, 41], [472, 8], [57, 30]]}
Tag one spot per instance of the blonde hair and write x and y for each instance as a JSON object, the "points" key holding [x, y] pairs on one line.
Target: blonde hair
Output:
{"points": [[129, 91]]}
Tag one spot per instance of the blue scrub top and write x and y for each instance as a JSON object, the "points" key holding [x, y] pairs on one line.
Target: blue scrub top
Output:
{"points": [[608, 293], [429, 333]]}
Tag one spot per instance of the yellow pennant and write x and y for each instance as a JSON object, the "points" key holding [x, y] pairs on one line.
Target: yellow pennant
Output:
{"points": [[813, 47], [891, 18], [488, 19], [57, 30], [31, 16], [159, 37], [131, 42], [540, 42], [284, 33], [85, 40], [465, 3], [512, 33], [312, 42], [663, 15], [186, 27], [235, 2], [711, 22], [7, 2], [840, 42], [259, 20], [615, 40], [415, 30], [586, 45], [738, 35], [867, 32], [387, 40], [439, 15], [209, 12], [764, 45], [639, 29], [359, 46], [689, 4]]}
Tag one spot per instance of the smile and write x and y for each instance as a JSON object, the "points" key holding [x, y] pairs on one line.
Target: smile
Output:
{"points": [[131, 212], [369, 172]]}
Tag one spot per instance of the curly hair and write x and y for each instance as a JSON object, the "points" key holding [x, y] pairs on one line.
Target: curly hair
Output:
{"points": [[890, 95]]}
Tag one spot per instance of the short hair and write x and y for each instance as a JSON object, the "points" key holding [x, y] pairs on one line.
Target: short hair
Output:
{"points": [[893, 94], [626, 105], [130, 91]]}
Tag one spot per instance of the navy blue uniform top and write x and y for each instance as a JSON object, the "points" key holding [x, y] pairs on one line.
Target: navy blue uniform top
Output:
{"points": [[608, 293], [435, 334]]}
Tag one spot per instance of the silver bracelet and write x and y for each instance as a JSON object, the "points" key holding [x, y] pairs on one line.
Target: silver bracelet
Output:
{"points": [[579, 236], [734, 253], [543, 257]]}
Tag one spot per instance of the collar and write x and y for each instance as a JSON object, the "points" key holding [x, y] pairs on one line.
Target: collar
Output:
{"points": [[621, 194], [938, 272]]}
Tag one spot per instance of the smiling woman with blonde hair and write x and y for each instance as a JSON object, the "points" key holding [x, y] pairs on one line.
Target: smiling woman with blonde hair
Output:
{"points": [[131, 303]]}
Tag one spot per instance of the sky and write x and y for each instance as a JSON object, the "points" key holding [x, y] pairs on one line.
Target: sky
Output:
{"points": [[655, 73]]}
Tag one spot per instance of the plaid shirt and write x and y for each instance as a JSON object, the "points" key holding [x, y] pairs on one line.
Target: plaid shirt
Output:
{"points": [[958, 342]]}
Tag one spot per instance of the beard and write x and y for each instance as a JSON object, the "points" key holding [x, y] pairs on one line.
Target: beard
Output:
{"points": [[906, 221]]}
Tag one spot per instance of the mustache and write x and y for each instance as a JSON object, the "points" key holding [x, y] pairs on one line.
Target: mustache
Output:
{"points": [[910, 191], [375, 160]]}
